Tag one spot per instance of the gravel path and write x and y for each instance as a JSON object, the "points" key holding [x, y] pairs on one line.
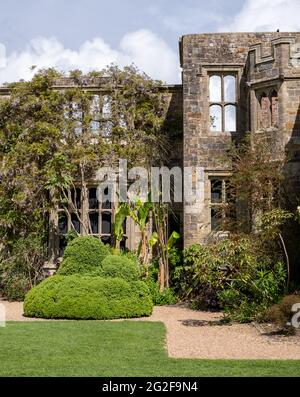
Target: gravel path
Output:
{"points": [[189, 336]]}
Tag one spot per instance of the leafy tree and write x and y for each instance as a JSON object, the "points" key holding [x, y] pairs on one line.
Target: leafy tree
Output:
{"points": [[256, 183], [139, 212], [257, 193], [53, 140]]}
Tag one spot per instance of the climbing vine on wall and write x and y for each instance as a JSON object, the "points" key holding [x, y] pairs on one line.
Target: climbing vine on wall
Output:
{"points": [[51, 138]]}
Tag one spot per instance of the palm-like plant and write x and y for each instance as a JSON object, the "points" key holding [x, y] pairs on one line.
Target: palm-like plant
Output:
{"points": [[139, 212]]}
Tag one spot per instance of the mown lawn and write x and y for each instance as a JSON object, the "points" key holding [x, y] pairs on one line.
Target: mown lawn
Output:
{"points": [[126, 348]]}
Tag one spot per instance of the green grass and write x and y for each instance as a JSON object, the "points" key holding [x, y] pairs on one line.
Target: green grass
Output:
{"points": [[97, 348]]}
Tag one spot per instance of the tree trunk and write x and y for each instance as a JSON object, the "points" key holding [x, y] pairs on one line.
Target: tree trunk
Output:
{"points": [[288, 271], [161, 275], [143, 253]]}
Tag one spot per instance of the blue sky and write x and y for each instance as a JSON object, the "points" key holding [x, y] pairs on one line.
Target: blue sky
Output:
{"points": [[75, 21], [89, 34]]}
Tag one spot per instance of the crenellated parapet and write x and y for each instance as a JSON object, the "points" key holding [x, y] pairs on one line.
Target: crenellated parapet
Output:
{"points": [[275, 44], [279, 59]]}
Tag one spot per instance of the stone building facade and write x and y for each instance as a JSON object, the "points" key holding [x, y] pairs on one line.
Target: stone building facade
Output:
{"points": [[231, 83], [101, 214]]}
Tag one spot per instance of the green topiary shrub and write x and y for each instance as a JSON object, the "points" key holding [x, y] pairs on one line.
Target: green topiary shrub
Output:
{"points": [[120, 267], [83, 255], [88, 297]]}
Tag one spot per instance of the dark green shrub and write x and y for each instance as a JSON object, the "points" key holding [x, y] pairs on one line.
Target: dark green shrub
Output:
{"points": [[132, 255], [230, 274], [205, 269], [175, 259], [281, 313], [83, 255], [166, 297], [88, 297], [247, 297], [119, 267], [23, 268], [71, 235], [16, 286]]}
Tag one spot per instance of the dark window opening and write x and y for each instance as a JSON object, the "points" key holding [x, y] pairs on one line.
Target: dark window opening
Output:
{"points": [[216, 190], [106, 239], [216, 218], [106, 223], [220, 195], [62, 245], [93, 200], [62, 223], [76, 197], [123, 243], [106, 204], [94, 222], [75, 223], [89, 217], [64, 199]]}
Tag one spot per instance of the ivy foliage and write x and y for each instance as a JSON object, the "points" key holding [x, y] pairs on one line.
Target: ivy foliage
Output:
{"points": [[53, 138]]}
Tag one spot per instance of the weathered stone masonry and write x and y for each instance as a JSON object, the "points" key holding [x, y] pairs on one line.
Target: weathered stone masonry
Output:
{"points": [[105, 214], [267, 70], [264, 71]]}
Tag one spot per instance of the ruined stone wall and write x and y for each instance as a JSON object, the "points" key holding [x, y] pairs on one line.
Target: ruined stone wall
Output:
{"points": [[279, 71], [173, 125], [205, 54], [261, 62]]}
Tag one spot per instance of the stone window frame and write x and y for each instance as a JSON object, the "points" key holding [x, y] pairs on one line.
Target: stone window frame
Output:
{"points": [[223, 103], [267, 92], [84, 209], [210, 69], [223, 177], [101, 96]]}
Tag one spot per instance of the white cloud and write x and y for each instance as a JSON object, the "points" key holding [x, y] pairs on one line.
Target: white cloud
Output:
{"points": [[152, 55], [266, 15], [2, 56], [143, 48]]}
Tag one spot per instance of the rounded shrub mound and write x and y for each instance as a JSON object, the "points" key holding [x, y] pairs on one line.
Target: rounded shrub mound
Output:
{"points": [[83, 255], [117, 266], [88, 297]]}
